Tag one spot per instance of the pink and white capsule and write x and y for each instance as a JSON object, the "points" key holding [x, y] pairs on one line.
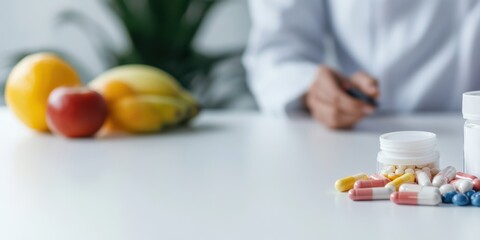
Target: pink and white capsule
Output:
{"points": [[461, 175], [371, 183], [367, 194], [416, 198], [445, 176], [476, 184], [463, 185], [377, 177]]}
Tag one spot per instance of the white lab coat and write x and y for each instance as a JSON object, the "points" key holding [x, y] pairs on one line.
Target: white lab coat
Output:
{"points": [[424, 53]]}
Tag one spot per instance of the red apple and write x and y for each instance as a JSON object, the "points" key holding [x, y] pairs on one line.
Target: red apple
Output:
{"points": [[75, 111]]}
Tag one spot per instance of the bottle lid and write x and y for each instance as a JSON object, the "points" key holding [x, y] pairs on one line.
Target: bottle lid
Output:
{"points": [[471, 105], [408, 140], [404, 160], [409, 148], [402, 153]]}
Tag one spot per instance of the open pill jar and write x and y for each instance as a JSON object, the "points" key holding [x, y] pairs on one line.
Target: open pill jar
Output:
{"points": [[407, 152]]}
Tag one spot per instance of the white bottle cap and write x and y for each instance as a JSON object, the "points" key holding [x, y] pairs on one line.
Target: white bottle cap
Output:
{"points": [[434, 156], [408, 147], [408, 140], [471, 105]]}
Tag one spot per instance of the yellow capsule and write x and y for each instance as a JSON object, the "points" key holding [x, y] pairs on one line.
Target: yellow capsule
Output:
{"points": [[392, 177], [347, 183], [405, 178]]}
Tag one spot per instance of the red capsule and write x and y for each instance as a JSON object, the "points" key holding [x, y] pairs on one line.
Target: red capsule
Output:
{"points": [[370, 183], [461, 175]]}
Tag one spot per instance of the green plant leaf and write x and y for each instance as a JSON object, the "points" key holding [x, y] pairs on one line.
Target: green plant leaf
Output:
{"points": [[160, 33], [190, 23]]}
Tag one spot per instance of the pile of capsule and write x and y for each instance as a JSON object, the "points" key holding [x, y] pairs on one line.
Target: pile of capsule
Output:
{"points": [[393, 171], [419, 188]]}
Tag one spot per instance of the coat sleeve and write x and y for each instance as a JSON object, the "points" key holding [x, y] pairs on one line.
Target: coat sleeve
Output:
{"points": [[284, 50]]}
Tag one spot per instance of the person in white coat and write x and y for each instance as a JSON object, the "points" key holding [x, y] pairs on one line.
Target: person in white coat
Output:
{"points": [[411, 55]]}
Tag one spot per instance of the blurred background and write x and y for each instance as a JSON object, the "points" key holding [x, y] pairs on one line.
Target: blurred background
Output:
{"points": [[200, 42]]}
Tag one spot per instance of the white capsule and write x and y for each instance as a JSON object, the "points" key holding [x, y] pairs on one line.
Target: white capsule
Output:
{"points": [[399, 171], [463, 185], [423, 178], [408, 187], [403, 167], [409, 170], [426, 169], [445, 188], [446, 175]]}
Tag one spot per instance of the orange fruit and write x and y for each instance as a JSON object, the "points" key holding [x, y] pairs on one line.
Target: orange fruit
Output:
{"points": [[31, 81], [114, 90]]}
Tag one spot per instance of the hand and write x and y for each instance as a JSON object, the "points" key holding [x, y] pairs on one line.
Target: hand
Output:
{"points": [[329, 104]]}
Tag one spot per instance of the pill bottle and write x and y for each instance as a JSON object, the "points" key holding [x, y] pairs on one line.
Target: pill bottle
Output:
{"points": [[408, 151], [471, 149]]}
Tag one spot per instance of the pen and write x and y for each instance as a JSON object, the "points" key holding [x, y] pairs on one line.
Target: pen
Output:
{"points": [[355, 93]]}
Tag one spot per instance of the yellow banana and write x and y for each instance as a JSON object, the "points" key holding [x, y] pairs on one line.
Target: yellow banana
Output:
{"points": [[134, 115], [147, 113], [170, 110], [142, 79], [144, 99]]}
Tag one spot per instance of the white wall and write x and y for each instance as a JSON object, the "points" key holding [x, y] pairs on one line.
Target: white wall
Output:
{"points": [[31, 24]]}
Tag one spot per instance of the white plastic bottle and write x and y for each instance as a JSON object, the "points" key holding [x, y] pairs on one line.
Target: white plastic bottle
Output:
{"points": [[407, 151], [471, 113]]}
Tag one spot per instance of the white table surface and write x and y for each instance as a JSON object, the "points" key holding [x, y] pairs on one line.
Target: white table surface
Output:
{"points": [[233, 175]]}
